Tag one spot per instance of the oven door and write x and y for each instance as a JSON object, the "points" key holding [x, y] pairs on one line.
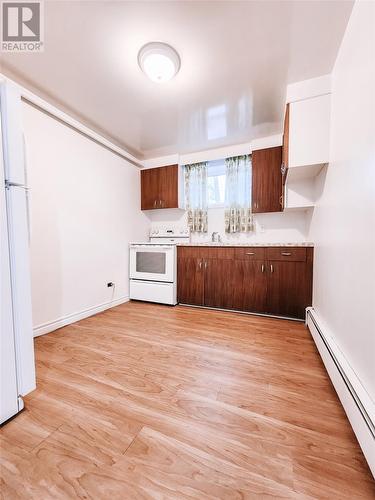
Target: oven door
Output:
{"points": [[153, 262]]}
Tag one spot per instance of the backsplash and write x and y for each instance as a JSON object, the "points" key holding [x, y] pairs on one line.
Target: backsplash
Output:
{"points": [[272, 227]]}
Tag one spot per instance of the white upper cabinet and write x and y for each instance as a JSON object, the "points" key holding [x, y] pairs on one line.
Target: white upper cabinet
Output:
{"points": [[309, 122], [305, 140]]}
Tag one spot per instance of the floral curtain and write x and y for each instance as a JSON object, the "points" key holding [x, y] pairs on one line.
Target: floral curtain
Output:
{"points": [[238, 216], [196, 196]]}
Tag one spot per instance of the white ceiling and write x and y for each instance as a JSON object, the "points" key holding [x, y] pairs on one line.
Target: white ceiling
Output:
{"points": [[237, 58]]}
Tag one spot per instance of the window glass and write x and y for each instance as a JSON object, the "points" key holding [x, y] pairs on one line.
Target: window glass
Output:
{"points": [[216, 183]]}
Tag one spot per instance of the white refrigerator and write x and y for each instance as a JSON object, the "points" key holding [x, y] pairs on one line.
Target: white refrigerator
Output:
{"points": [[16, 332]]}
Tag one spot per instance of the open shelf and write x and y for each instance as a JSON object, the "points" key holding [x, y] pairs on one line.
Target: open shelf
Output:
{"points": [[299, 208], [304, 172]]}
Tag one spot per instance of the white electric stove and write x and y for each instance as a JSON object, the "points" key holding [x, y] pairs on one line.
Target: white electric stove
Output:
{"points": [[153, 265]]}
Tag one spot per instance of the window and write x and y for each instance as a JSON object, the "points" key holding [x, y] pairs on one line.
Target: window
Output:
{"points": [[216, 177], [218, 184]]}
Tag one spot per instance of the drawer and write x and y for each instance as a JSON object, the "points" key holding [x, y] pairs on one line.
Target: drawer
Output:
{"points": [[222, 253], [204, 252], [294, 254], [189, 252], [249, 253]]}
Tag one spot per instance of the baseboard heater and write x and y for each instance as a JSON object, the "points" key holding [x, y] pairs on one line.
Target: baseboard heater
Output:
{"points": [[356, 401]]}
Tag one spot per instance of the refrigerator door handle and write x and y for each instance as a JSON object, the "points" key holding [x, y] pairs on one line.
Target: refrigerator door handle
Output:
{"points": [[27, 190], [9, 184], [25, 159]]}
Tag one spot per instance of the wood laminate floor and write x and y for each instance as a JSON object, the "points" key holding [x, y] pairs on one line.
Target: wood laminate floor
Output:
{"points": [[149, 401]]}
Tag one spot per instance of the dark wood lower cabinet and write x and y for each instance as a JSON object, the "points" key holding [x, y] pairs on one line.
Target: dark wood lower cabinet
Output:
{"points": [[289, 289], [250, 286], [219, 283], [190, 283], [275, 280]]}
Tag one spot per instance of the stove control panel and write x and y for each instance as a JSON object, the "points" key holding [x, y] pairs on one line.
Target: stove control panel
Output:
{"points": [[169, 232]]}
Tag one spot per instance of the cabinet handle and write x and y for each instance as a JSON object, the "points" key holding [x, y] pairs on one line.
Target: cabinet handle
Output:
{"points": [[205, 264], [262, 268], [200, 264], [155, 204], [250, 253], [287, 254], [271, 268]]}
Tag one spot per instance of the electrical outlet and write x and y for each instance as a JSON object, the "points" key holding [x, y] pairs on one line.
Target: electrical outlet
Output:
{"points": [[110, 284]]}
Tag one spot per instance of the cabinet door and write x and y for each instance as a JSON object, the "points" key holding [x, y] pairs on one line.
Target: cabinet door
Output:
{"points": [[285, 153], [159, 187], [218, 283], [250, 286], [309, 127], [267, 188], [149, 188], [190, 281], [289, 288], [168, 186]]}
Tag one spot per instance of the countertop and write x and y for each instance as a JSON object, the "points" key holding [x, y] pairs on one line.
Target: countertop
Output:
{"points": [[257, 244]]}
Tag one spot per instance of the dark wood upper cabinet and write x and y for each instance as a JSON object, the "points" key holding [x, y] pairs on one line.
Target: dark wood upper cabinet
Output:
{"points": [[149, 191], [159, 187], [267, 184], [285, 153], [168, 186]]}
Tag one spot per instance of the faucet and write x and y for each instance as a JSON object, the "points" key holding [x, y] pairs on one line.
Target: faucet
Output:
{"points": [[215, 237]]}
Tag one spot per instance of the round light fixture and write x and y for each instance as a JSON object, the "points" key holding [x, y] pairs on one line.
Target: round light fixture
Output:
{"points": [[159, 61]]}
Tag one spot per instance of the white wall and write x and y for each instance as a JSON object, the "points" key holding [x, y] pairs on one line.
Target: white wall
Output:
{"points": [[215, 153], [289, 227], [274, 227], [343, 222], [84, 211]]}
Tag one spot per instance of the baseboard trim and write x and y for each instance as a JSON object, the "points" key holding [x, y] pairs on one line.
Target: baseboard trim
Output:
{"points": [[357, 403], [72, 318], [265, 315]]}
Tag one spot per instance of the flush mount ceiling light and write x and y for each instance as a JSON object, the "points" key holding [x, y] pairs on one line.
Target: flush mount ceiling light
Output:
{"points": [[159, 61]]}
